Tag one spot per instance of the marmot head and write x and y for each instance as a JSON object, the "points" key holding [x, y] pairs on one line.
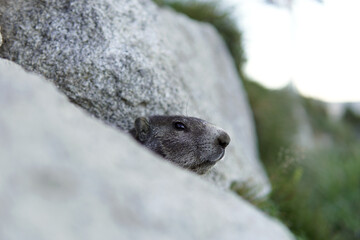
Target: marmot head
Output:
{"points": [[190, 142]]}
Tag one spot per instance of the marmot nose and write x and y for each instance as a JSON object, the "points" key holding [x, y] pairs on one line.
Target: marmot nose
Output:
{"points": [[223, 139]]}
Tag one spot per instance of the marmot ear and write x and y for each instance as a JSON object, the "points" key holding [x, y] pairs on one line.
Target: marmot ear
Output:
{"points": [[142, 128]]}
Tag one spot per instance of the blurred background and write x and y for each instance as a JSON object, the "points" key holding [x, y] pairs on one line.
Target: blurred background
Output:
{"points": [[298, 61], [314, 44]]}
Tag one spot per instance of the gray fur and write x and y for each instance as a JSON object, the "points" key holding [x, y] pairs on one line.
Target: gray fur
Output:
{"points": [[197, 146]]}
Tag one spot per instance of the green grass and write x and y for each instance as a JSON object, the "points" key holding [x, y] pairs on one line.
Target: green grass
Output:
{"points": [[335, 178], [318, 197], [315, 193], [274, 118]]}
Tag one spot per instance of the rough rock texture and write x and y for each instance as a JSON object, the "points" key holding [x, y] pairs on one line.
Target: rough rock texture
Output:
{"points": [[1, 41], [66, 175], [122, 59]]}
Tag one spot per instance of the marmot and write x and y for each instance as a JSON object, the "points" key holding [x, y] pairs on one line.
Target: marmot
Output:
{"points": [[190, 142]]}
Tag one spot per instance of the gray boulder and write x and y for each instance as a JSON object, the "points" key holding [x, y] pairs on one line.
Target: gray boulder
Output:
{"points": [[66, 175], [123, 59]]}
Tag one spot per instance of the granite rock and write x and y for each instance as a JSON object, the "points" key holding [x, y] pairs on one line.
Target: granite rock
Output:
{"points": [[66, 175], [121, 59]]}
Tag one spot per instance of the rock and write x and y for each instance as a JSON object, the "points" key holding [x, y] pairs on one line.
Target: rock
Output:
{"points": [[1, 41], [123, 59], [66, 175]]}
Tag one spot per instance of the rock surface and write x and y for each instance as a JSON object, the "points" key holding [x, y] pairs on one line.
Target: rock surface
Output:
{"points": [[123, 59], [1, 41], [66, 175]]}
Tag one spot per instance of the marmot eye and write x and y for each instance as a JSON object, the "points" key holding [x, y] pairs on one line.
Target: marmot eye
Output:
{"points": [[179, 126]]}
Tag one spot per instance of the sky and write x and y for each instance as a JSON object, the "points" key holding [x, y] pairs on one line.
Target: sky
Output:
{"points": [[315, 46]]}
